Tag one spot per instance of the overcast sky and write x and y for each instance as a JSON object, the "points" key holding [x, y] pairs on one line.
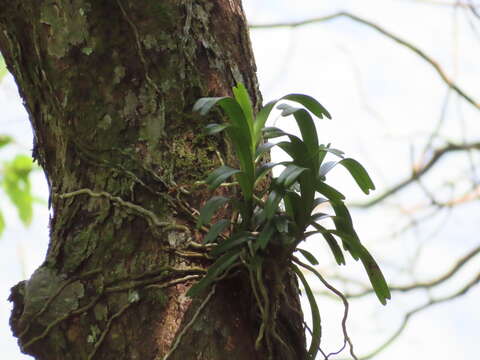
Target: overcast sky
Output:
{"points": [[384, 100]]}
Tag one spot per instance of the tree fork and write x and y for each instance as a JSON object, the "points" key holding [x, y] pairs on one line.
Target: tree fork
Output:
{"points": [[109, 88]]}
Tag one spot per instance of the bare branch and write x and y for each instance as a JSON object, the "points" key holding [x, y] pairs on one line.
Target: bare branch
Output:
{"points": [[428, 284], [417, 173], [381, 30], [418, 309]]}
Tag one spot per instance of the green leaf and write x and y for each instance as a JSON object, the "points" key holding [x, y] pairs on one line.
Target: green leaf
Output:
{"points": [[309, 256], [263, 148], [310, 103], [5, 140], [232, 242], [214, 128], [332, 194], [344, 224], [2, 223], [290, 174], [319, 201], [359, 173], [316, 320], [219, 175], [335, 152], [203, 105], [376, 277], [307, 128], [212, 205], [262, 170], [243, 99], [326, 167], [332, 243], [271, 205], [17, 186], [3, 68], [261, 119], [272, 132], [265, 236], [223, 264], [215, 230]]}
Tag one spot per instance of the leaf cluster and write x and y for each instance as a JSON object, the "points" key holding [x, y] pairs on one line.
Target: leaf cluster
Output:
{"points": [[284, 214]]}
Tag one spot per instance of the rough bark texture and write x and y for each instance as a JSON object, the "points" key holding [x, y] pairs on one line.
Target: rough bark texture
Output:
{"points": [[109, 87]]}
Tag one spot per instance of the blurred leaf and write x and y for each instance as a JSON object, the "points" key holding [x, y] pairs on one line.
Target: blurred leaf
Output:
{"points": [[3, 68], [265, 236], [332, 243], [243, 99], [235, 240], [212, 205], [272, 202], [2, 224], [213, 128], [332, 194], [290, 174], [359, 173], [223, 263], [5, 140], [16, 184], [215, 230], [219, 175], [309, 256]]}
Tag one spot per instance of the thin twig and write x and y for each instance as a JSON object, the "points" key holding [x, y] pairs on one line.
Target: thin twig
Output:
{"points": [[384, 32], [417, 173], [428, 284]]}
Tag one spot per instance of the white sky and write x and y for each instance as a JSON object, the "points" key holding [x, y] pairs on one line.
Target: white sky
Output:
{"points": [[384, 99]]}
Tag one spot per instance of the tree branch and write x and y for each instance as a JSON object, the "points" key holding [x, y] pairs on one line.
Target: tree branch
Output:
{"points": [[417, 173], [428, 284], [384, 32]]}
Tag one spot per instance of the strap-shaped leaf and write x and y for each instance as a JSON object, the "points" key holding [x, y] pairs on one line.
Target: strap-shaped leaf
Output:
{"points": [[263, 148], [316, 321], [243, 98], [306, 125], [203, 105], [376, 277], [359, 173], [212, 205], [335, 152], [265, 236], [319, 201], [214, 128], [271, 205], [290, 174], [326, 167], [219, 175], [223, 264], [232, 242], [309, 256], [332, 243], [215, 230], [310, 103], [261, 119], [332, 194], [263, 169], [272, 132], [374, 273]]}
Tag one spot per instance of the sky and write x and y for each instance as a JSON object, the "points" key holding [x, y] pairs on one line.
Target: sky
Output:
{"points": [[384, 100]]}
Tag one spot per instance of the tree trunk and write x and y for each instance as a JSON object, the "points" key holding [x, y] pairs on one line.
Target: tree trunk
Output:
{"points": [[109, 87]]}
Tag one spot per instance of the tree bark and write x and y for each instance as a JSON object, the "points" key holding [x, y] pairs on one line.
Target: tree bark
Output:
{"points": [[109, 87]]}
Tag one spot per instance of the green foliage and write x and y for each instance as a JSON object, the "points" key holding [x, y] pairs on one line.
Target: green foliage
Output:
{"points": [[280, 217], [15, 182], [3, 68]]}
